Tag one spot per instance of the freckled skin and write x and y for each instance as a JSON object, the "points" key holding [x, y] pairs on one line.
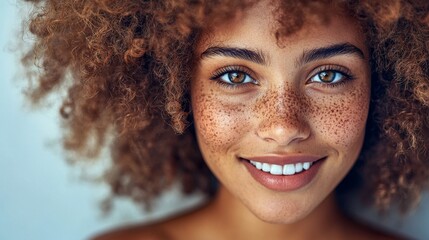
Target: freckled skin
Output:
{"points": [[287, 107], [283, 113]]}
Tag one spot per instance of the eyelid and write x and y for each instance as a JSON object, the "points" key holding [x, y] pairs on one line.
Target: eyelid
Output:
{"points": [[233, 68], [330, 67]]}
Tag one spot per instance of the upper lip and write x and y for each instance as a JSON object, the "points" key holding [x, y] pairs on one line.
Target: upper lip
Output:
{"points": [[284, 159]]}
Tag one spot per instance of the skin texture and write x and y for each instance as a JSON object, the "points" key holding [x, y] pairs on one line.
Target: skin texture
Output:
{"points": [[127, 65], [284, 111]]}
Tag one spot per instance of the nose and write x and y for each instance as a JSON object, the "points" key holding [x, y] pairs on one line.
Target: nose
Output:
{"points": [[283, 119]]}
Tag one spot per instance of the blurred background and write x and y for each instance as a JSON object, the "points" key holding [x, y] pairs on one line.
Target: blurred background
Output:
{"points": [[43, 198]]}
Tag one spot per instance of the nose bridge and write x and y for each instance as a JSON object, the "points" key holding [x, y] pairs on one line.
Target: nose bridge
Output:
{"points": [[282, 114], [285, 105], [288, 105]]}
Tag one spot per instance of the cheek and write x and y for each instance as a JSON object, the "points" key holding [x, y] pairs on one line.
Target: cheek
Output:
{"points": [[218, 125], [342, 121]]}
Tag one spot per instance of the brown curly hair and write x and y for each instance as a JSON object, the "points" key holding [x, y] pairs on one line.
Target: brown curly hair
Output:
{"points": [[127, 67]]}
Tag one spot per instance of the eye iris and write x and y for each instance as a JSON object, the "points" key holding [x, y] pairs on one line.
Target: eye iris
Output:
{"points": [[236, 77], [327, 76]]}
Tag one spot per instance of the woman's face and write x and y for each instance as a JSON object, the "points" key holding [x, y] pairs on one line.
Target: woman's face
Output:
{"points": [[280, 127]]}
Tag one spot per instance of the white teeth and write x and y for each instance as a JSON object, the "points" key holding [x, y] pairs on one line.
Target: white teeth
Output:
{"points": [[288, 169], [298, 167], [306, 165], [276, 169], [266, 167]]}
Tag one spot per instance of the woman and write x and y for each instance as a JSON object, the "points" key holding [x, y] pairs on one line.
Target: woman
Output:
{"points": [[279, 98]]}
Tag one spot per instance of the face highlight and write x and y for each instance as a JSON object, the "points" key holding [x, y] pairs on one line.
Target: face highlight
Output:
{"points": [[309, 99]]}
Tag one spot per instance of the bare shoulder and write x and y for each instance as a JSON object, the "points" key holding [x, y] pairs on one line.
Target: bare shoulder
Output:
{"points": [[179, 227], [137, 232]]}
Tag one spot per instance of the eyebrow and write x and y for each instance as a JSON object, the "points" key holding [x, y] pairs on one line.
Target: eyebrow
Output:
{"points": [[308, 56], [242, 53], [330, 51]]}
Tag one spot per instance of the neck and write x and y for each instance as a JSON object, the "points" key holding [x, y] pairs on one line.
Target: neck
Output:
{"points": [[240, 223]]}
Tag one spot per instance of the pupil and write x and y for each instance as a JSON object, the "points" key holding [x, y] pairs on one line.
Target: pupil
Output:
{"points": [[236, 77], [327, 76]]}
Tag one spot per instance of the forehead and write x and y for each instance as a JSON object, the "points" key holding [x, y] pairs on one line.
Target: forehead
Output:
{"points": [[283, 24]]}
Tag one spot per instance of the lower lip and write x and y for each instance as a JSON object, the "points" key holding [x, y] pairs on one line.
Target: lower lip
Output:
{"points": [[284, 182]]}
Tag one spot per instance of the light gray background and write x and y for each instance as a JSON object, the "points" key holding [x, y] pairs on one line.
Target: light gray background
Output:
{"points": [[42, 197]]}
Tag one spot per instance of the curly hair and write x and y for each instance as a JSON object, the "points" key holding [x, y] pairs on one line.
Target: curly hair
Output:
{"points": [[127, 66]]}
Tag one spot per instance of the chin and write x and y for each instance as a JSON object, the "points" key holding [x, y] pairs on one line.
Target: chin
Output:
{"points": [[287, 213]]}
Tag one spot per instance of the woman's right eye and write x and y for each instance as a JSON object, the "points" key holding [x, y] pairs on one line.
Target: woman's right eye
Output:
{"points": [[233, 77], [236, 77]]}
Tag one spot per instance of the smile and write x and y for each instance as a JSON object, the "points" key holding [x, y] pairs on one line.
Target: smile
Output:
{"points": [[284, 173], [287, 169]]}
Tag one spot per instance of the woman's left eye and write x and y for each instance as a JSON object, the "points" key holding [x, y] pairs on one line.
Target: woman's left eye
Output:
{"points": [[235, 77], [329, 77]]}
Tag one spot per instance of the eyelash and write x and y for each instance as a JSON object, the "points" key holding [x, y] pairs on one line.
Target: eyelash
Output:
{"points": [[233, 69], [347, 75]]}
